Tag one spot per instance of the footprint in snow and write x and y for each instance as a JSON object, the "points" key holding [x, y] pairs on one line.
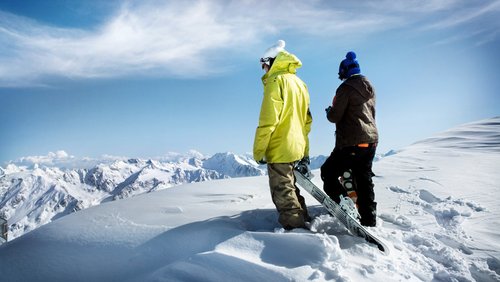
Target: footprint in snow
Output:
{"points": [[400, 190]]}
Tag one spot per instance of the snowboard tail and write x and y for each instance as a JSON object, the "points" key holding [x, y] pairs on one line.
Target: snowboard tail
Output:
{"points": [[334, 209]]}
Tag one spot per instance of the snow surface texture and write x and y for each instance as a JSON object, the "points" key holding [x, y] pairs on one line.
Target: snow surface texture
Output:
{"points": [[438, 212]]}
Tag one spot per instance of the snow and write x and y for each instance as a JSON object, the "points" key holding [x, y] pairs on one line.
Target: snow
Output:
{"points": [[437, 208]]}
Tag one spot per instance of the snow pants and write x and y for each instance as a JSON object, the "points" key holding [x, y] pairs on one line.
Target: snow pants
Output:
{"points": [[286, 196], [360, 161]]}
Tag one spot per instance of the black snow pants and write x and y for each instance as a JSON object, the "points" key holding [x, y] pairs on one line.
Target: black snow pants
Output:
{"points": [[360, 161]]}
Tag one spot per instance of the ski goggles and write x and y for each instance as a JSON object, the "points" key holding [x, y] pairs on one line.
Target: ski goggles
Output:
{"points": [[265, 60]]}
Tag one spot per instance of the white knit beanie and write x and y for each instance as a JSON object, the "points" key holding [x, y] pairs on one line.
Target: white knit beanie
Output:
{"points": [[274, 50]]}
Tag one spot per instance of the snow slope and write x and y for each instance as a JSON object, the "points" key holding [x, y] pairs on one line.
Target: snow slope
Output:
{"points": [[438, 212]]}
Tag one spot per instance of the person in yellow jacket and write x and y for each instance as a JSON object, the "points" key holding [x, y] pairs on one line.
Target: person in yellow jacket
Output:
{"points": [[281, 139]]}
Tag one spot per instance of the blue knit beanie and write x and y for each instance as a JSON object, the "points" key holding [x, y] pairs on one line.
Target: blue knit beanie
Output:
{"points": [[349, 66]]}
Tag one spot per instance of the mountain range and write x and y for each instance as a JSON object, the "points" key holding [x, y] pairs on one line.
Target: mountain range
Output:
{"points": [[37, 190]]}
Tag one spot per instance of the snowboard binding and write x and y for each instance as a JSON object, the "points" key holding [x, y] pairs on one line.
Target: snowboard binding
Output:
{"points": [[348, 203], [348, 183]]}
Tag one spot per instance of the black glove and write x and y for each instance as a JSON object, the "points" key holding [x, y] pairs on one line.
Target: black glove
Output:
{"points": [[262, 162], [303, 167]]}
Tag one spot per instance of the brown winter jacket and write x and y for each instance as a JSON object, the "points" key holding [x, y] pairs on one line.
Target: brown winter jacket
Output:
{"points": [[353, 112]]}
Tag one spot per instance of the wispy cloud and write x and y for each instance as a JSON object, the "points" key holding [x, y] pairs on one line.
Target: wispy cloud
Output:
{"points": [[471, 12], [171, 38], [187, 38]]}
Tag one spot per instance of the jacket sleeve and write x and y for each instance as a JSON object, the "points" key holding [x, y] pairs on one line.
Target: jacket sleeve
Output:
{"points": [[270, 112], [340, 102], [307, 130]]}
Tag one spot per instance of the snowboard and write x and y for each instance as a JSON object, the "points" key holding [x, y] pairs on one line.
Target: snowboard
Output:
{"points": [[334, 209]]}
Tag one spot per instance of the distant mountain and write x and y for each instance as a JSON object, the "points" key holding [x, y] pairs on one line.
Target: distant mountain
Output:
{"points": [[233, 165], [35, 191]]}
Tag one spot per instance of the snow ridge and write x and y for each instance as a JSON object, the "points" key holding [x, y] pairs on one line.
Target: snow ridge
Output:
{"points": [[480, 135]]}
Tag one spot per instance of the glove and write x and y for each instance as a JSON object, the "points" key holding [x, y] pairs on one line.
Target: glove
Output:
{"points": [[303, 167], [262, 162], [327, 110]]}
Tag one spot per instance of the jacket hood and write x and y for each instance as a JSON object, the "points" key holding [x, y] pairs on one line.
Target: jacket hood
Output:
{"points": [[284, 63], [361, 84]]}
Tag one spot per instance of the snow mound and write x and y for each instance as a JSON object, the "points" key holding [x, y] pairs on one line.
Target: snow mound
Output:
{"points": [[482, 135]]}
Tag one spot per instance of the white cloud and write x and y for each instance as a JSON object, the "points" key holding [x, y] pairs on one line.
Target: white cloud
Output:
{"points": [[63, 160], [190, 38], [50, 159], [172, 39]]}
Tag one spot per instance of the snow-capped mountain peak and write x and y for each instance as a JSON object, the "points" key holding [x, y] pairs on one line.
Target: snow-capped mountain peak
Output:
{"points": [[233, 165], [36, 190]]}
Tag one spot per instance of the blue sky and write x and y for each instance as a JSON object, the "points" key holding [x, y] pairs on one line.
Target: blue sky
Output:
{"points": [[144, 78]]}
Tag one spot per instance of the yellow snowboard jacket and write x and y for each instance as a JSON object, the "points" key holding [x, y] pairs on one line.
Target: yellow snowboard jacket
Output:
{"points": [[285, 120]]}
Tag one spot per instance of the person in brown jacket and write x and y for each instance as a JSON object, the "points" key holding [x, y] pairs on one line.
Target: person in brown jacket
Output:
{"points": [[353, 112]]}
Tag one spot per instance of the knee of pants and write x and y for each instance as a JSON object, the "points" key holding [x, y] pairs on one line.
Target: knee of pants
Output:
{"points": [[283, 202]]}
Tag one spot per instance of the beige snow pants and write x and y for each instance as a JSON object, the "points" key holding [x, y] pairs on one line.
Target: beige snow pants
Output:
{"points": [[286, 196]]}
